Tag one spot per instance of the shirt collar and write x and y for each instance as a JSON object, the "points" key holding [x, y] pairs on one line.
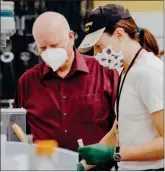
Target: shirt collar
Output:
{"points": [[79, 64], [46, 70]]}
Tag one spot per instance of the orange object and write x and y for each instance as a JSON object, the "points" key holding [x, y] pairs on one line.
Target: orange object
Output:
{"points": [[19, 132], [45, 147]]}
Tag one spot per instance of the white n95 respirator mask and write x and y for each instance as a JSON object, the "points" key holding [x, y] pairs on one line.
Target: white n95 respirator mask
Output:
{"points": [[110, 59], [54, 57]]}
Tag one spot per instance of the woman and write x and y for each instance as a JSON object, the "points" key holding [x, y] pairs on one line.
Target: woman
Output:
{"points": [[136, 140]]}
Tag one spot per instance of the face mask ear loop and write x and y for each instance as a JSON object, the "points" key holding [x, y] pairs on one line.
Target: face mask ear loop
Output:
{"points": [[66, 42]]}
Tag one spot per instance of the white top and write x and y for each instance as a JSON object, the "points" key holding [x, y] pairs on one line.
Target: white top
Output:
{"points": [[142, 94]]}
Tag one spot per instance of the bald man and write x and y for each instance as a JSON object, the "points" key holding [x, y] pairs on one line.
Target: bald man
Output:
{"points": [[69, 96]]}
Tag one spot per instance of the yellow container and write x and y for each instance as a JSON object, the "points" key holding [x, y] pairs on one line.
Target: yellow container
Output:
{"points": [[45, 147]]}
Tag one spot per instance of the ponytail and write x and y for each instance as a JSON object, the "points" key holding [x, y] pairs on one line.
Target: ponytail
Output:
{"points": [[142, 35], [149, 43]]}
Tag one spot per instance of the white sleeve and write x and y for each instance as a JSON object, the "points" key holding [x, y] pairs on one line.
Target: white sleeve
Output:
{"points": [[150, 89]]}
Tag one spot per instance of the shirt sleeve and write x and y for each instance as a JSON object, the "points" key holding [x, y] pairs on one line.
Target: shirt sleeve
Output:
{"points": [[18, 100], [18, 97], [150, 89]]}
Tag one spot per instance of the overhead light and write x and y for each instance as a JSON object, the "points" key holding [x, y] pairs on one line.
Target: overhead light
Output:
{"points": [[25, 56], [33, 48], [7, 57], [75, 35]]}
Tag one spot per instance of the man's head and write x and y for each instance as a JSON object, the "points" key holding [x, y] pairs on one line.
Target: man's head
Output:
{"points": [[51, 31]]}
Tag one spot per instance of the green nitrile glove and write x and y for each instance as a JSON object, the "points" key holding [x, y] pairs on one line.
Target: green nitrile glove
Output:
{"points": [[96, 154], [80, 167]]}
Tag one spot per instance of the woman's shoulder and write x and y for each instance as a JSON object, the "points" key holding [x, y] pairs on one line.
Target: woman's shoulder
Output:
{"points": [[149, 60], [149, 65]]}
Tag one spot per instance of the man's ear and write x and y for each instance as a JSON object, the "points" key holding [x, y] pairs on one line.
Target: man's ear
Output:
{"points": [[72, 37], [119, 33]]}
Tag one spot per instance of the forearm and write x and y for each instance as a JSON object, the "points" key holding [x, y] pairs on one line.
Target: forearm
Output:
{"points": [[144, 152], [109, 140]]}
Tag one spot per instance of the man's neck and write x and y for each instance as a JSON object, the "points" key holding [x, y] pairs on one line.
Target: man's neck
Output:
{"points": [[65, 69]]}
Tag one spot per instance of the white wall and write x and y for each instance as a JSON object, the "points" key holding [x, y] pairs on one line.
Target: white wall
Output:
{"points": [[152, 21]]}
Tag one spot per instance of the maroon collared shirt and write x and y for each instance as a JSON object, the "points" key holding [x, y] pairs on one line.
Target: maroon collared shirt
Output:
{"points": [[80, 106]]}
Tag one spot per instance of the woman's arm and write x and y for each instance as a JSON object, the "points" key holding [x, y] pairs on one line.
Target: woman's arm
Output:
{"points": [[153, 150], [108, 140]]}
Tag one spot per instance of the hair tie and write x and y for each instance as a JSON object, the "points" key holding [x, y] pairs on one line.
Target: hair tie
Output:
{"points": [[138, 30]]}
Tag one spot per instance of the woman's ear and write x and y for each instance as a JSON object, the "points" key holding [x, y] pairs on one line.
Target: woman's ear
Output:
{"points": [[119, 33]]}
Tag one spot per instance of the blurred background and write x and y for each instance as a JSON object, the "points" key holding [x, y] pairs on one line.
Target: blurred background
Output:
{"points": [[21, 53]]}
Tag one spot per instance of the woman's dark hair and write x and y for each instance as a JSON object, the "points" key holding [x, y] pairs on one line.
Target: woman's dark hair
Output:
{"points": [[144, 37]]}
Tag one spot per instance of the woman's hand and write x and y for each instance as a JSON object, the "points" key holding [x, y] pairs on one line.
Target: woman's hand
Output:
{"points": [[97, 153]]}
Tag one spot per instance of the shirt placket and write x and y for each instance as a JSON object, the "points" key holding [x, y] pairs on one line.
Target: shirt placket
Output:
{"points": [[64, 113]]}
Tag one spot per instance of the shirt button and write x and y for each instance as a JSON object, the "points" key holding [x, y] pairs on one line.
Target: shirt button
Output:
{"points": [[65, 114], [64, 97], [66, 131]]}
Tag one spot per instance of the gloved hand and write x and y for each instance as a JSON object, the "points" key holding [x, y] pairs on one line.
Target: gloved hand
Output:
{"points": [[96, 154], [80, 167]]}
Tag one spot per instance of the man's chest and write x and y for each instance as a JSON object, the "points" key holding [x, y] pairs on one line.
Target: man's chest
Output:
{"points": [[66, 99]]}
